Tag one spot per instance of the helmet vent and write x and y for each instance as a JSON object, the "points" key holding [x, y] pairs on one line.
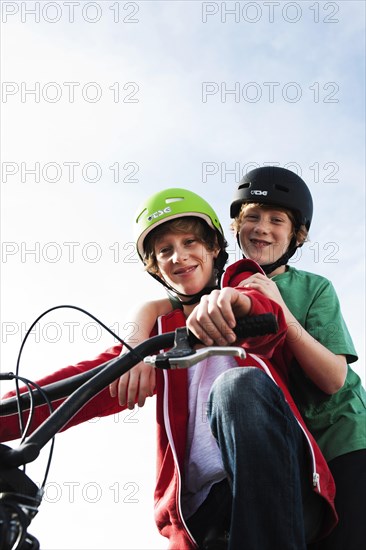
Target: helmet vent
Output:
{"points": [[282, 188], [174, 199], [245, 185]]}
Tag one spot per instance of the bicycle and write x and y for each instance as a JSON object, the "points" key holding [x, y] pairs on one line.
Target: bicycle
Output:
{"points": [[19, 496]]}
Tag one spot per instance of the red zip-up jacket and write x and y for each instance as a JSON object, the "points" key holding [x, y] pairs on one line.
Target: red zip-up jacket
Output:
{"points": [[172, 412]]}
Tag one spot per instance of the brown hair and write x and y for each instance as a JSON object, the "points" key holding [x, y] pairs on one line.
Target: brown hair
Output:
{"points": [[301, 233], [187, 224]]}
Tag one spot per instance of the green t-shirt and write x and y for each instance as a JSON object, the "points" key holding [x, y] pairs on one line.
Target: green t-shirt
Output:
{"points": [[338, 422]]}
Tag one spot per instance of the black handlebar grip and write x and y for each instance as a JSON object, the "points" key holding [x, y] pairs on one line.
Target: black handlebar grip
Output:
{"points": [[258, 325]]}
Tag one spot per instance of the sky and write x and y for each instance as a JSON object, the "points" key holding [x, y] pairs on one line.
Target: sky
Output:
{"points": [[104, 103]]}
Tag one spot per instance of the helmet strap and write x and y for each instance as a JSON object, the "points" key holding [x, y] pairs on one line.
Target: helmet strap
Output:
{"points": [[283, 260], [219, 264]]}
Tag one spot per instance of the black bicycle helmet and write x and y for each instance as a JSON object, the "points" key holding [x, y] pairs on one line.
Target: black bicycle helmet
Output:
{"points": [[279, 187]]}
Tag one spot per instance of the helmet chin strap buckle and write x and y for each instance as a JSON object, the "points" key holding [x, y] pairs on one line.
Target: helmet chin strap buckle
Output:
{"points": [[194, 298]]}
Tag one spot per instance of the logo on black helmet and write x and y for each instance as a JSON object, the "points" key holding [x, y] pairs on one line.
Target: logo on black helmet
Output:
{"points": [[258, 192]]}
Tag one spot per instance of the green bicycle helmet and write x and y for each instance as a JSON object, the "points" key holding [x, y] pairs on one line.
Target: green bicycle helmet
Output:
{"points": [[276, 186], [168, 205]]}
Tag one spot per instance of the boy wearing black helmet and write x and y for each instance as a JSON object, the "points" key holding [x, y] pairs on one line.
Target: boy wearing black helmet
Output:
{"points": [[327, 391]]}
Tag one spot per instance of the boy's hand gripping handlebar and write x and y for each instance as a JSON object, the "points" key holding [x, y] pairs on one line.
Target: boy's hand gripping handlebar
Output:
{"points": [[183, 356]]}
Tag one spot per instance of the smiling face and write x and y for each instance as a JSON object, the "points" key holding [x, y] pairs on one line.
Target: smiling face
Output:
{"points": [[184, 262], [265, 233]]}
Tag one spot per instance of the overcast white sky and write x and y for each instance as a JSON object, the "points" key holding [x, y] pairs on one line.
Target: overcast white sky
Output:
{"points": [[104, 103]]}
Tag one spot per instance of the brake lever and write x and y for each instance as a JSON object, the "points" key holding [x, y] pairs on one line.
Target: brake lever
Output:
{"points": [[183, 356], [161, 362]]}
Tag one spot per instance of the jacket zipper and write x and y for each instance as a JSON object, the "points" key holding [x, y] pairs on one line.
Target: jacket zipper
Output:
{"points": [[316, 476], [171, 442]]}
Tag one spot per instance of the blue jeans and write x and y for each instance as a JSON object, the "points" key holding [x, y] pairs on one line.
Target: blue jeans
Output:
{"points": [[263, 452]]}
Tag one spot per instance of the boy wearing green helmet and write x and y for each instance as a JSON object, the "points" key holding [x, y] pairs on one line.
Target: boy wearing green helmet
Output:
{"points": [[216, 487]]}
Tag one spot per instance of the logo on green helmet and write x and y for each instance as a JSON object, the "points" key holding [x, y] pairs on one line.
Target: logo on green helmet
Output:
{"points": [[159, 213]]}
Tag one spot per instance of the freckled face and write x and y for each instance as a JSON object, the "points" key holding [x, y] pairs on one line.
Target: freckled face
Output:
{"points": [[184, 262], [265, 235]]}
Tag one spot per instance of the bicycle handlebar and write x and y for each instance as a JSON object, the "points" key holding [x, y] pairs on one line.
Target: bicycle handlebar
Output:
{"points": [[19, 496], [90, 383], [257, 325]]}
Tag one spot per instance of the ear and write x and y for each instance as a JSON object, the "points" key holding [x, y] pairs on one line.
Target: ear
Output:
{"points": [[299, 242]]}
